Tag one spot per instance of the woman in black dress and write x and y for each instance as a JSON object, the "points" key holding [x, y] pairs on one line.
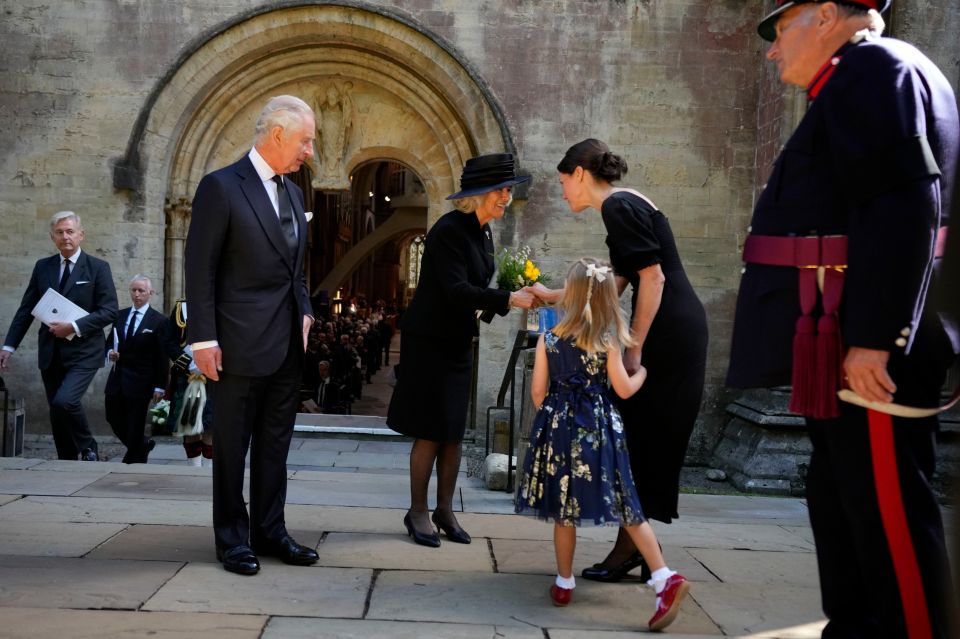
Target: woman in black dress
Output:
{"points": [[430, 399], [669, 324]]}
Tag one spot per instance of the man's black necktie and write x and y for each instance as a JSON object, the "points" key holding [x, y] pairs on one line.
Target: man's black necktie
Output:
{"points": [[323, 387], [64, 277], [286, 215], [131, 326]]}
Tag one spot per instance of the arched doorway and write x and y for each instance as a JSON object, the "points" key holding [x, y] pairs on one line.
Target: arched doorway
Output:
{"points": [[396, 91], [387, 93]]}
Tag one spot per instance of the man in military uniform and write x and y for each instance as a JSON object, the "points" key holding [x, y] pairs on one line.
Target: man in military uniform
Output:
{"points": [[840, 257]]}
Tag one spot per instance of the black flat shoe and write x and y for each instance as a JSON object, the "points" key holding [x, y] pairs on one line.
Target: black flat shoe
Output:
{"points": [[599, 572], [457, 534], [239, 559], [429, 540]]}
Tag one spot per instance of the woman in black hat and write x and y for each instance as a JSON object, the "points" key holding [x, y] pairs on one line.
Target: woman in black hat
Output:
{"points": [[430, 399]]}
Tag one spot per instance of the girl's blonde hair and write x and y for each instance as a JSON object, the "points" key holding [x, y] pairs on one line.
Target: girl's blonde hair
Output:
{"points": [[591, 307]]}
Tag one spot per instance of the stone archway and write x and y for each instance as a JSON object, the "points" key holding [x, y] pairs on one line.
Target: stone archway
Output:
{"points": [[411, 97]]}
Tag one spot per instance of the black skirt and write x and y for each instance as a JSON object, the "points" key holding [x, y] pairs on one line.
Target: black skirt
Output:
{"points": [[433, 388]]}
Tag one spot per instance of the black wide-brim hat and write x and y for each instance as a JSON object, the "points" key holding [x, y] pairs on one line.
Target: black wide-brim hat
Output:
{"points": [[767, 27], [486, 173]]}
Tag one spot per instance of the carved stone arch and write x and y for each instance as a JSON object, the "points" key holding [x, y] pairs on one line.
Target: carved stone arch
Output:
{"points": [[418, 101]]}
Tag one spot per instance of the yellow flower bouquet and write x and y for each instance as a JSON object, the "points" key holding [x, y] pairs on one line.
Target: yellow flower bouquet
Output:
{"points": [[515, 269]]}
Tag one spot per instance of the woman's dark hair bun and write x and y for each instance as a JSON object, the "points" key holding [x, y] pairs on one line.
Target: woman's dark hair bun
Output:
{"points": [[596, 157], [611, 167]]}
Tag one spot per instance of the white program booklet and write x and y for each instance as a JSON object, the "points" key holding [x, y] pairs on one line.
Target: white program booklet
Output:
{"points": [[54, 307]]}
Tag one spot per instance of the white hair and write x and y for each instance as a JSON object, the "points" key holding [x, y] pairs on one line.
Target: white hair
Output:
{"points": [[142, 277], [284, 111], [65, 215]]}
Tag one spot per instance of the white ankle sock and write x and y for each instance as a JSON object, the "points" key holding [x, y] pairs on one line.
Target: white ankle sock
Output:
{"points": [[194, 461], [658, 579], [566, 582]]}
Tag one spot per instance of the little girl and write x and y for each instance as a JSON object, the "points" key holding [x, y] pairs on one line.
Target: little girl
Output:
{"points": [[577, 469]]}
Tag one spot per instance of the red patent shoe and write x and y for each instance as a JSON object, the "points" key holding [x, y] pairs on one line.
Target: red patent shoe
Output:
{"points": [[560, 596], [668, 602]]}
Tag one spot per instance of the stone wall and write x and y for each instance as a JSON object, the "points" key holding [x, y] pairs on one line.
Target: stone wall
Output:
{"points": [[679, 87]]}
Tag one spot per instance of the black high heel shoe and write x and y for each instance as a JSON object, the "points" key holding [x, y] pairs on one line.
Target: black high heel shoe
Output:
{"points": [[457, 534], [431, 540], [599, 572]]}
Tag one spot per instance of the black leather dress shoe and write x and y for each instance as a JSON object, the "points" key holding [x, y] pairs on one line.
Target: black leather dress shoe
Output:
{"points": [[88, 454], [239, 559], [599, 572], [288, 551], [147, 449], [431, 540], [456, 534]]}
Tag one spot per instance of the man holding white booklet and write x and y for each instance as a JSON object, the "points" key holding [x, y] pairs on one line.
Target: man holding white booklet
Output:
{"points": [[69, 352]]}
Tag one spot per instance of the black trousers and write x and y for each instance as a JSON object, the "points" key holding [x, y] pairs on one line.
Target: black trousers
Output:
{"points": [[64, 389], [866, 475], [255, 413], [127, 417]]}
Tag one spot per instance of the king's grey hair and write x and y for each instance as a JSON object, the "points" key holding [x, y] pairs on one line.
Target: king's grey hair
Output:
{"points": [[285, 111]]}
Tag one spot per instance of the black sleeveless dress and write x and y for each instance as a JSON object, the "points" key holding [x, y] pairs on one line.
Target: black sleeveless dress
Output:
{"points": [[660, 417]]}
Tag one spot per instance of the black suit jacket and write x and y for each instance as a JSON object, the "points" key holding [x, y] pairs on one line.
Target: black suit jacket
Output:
{"points": [[245, 289], [454, 276], [143, 364], [90, 287]]}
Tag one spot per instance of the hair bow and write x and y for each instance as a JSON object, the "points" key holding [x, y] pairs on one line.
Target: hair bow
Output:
{"points": [[597, 272]]}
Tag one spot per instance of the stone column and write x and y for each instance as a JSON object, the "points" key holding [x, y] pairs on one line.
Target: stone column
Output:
{"points": [[177, 212]]}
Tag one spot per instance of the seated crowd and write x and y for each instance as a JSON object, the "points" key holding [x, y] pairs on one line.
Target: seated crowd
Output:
{"points": [[343, 352]]}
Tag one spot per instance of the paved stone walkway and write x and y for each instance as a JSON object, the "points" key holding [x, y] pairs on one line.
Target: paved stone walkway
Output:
{"points": [[106, 550]]}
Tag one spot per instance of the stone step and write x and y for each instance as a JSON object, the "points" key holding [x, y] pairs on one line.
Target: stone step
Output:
{"points": [[343, 424]]}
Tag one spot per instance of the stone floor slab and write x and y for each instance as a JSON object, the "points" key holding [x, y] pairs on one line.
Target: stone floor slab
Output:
{"points": [[311, 458], [277, 590], [345, 519], [767, 610], [6, 499], [578, 634], [157, 486], [373, 460], [162, 467], [70, 466], [747, 535], [41, 623], [758, 567], [49, 482], [297, 628], [741, 508], [60, 582], [19, 537], [509, 526], [396, 552], [538, 558], [18, 463], [373, 446], [518, 600], [109, 510], [174, 543], [350, 445]]}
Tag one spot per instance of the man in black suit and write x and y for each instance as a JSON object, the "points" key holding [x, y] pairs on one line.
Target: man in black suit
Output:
{"points": [[249, 319], [329, 392], [69, 353], [139, 370]]}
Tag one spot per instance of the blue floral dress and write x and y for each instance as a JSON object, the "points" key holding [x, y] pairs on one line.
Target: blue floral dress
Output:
{"points": [[577, 469]]}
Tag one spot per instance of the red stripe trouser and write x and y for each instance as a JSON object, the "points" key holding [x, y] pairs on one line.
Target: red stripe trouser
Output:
{"points": [[877, 526]]}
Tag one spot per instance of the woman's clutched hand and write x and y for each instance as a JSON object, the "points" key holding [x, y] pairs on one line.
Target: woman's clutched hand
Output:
{"points": [[523, 298]]}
